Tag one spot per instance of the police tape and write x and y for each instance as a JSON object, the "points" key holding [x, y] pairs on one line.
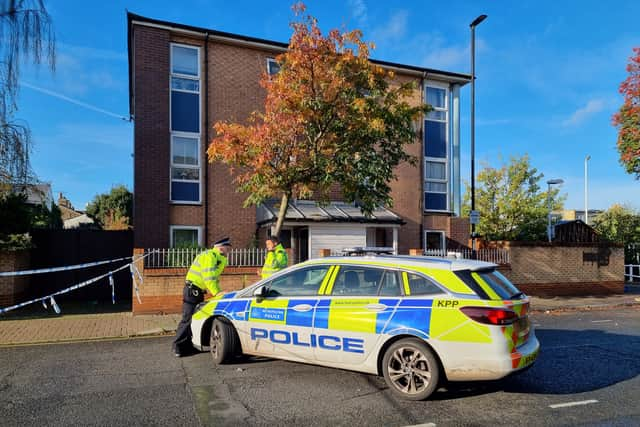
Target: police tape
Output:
{"points": [[56, 269], [131, 266]]}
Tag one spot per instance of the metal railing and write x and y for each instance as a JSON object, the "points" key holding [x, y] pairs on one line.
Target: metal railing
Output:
{"points": [[632, 273], [183, 257], [498, 256]]}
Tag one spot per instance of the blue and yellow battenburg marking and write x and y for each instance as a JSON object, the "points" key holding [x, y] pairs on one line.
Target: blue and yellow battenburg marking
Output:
{"points": [[427, 318]]}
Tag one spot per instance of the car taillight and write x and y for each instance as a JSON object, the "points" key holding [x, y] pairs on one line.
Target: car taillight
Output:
{"points": [[490, 316]]}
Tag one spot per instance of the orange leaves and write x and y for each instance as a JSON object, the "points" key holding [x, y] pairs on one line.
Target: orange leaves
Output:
{"points": [[627, 120]]}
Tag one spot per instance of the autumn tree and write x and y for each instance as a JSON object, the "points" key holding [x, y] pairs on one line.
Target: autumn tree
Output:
{"points": [[627, 119], [112, 211], [511, 202], [330, 117]]}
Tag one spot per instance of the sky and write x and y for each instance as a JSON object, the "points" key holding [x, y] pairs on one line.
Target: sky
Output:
{"points": [[547, 83]]}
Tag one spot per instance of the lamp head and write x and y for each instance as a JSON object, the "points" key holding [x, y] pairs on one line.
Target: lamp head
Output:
{"points": [[477, 21], [555, 181]]}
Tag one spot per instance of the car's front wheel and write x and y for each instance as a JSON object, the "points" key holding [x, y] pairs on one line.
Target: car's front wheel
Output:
{"points": [[410, 369], [224, 343]]}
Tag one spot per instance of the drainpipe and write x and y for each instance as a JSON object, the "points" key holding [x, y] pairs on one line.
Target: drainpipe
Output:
{"points": [[206, 138]]}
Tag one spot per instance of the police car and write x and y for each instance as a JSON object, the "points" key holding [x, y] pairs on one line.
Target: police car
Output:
{"points": [[414, 320]]}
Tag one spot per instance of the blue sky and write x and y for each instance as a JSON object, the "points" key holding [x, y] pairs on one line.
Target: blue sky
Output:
{"points": [[548, 74]]}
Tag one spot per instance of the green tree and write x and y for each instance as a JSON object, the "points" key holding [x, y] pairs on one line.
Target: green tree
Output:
{"points": [[17, 219], [511, 202], [113, 210], [620, 224], [26, 34], [627, 119], [330, 117]]}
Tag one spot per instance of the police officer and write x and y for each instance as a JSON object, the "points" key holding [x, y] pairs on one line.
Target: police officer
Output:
{"points": [[203, 276], [276, 258]]}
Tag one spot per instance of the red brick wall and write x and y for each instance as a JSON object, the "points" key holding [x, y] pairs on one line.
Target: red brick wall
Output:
{"points": [[551, 269], [151, 137], [13, 289]]}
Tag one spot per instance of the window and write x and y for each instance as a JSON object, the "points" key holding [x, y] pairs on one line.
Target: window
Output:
{"points": [[419, 285], [436, 143], [303, 282], [390, 286], [185, 124], [434, 240], [498, 283], [272, 66], [185, 237], [364, 281]]}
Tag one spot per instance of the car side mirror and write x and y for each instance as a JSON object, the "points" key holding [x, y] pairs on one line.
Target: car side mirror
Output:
{"points": [[260, 291]]}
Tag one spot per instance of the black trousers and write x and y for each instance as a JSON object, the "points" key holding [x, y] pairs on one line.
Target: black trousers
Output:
{"points": [[190, 298]]}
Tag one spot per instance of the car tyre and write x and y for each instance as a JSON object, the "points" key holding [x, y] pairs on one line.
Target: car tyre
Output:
{"points": [[224, 343], [410, 369]]}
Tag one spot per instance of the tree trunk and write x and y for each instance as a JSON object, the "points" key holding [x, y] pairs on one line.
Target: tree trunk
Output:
{"points": [[284, 204]]}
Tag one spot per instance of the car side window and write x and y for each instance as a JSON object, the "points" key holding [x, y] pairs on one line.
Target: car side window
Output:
{"points": [[390, 286], [419, 285], [357, 281], [303, 282]]}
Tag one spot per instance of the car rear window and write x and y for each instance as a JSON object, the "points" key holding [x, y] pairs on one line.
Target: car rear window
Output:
{"points": [[496, 283], [499, 284]]}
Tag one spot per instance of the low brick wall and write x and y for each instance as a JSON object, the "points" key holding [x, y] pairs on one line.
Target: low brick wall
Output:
{"points": [[14, 289], [544, 269], [161, 291]]}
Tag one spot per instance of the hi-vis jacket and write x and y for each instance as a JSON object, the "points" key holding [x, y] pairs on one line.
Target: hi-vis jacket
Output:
{"points": [[275, 261], [206, 269]]}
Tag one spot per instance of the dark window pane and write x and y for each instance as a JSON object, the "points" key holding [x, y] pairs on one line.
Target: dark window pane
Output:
{"points": [[435, 201], [273, 67], [436, 97], [435, 144], [185, 111], [185, 60], [185, 191], [185, 238], [422, 286]]}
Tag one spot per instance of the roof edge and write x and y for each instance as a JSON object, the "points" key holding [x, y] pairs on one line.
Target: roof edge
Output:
{"points": [[454, 77]]}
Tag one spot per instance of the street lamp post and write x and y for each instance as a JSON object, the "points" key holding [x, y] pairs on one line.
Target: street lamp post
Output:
{"points": [[586, 191], [549, 184], [473, 26]]}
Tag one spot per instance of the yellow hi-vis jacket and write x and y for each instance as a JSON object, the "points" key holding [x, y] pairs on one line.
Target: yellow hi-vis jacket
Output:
{"points": [[206, 269], [275, 261]]}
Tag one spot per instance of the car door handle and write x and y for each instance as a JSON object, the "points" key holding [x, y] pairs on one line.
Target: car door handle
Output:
{"points": [[302, 307], [375, 307]]}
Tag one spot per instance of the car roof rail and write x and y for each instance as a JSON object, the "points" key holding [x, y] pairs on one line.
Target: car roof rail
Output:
{"points": [[367, 250]]}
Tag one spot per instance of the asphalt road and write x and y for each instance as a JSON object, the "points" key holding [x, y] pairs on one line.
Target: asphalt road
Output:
{"points": [[587, 374]]}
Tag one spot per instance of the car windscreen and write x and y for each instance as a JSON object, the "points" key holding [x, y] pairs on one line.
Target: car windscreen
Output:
{"points": [[499, 284]]}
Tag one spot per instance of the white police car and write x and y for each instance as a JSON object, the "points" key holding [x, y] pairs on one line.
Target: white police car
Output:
{"points": [[414, 320]]}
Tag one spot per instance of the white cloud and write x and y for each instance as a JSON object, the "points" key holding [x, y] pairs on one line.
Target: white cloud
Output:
{"points": [[359, 11], [592, 107], [394, 29]]}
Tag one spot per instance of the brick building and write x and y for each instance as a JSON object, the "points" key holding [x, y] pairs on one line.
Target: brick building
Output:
{"points": [[182, 79]]}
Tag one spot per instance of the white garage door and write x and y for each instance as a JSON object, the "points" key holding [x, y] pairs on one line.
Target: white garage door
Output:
{"points": [[335, 237]]}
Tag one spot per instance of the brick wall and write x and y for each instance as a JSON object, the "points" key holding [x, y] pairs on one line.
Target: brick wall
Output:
{"points": [[13, 289], [161, 291], [551, 269], [151, 137]]}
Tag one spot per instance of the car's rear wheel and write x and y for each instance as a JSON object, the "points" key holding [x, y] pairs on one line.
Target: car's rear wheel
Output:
{"points": [[224, 343], [410, 369]]}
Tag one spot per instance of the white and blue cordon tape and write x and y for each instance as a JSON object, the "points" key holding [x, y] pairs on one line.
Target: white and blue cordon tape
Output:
{"points": [[131, 266]]}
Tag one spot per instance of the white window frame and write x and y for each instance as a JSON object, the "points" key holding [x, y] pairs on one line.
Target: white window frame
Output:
{"points": [[173, 228], [442, 239], [193, 135], [446, 159]]}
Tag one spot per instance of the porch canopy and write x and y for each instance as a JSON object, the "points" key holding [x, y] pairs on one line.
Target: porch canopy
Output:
{"points": [[333, 226], [311, 211]]}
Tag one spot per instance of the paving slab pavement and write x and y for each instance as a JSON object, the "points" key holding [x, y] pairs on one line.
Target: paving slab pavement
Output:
{"points": [[82, 327]]}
